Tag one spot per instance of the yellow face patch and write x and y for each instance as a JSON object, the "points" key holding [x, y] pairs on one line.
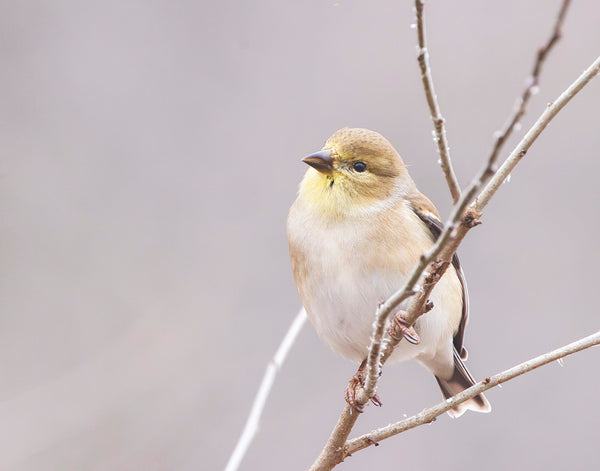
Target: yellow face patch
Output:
{"points": [[366, 171], [342, 193]]}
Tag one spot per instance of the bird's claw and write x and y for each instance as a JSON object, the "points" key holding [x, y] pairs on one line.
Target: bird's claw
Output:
{"points": [[355, 384], [406, 330], [376, 401]]}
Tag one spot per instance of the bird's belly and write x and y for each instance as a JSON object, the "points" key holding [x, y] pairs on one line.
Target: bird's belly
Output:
{"points": [[343, 313]]}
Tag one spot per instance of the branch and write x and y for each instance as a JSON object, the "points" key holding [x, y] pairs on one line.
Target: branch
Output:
{"points": [[434, 107], [465, 215], [519, 152], [429, 415], [532, 85], [263, 392]]}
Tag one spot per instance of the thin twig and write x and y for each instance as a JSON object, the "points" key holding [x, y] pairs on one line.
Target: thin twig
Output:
{"points": [[434, 108], [428, 415], [500, 137], [519, 152], [263, 392]]}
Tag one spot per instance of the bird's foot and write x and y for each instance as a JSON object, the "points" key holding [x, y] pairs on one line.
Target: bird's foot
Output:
{"points": [[354, 385], [350, 395], [401, 328]]}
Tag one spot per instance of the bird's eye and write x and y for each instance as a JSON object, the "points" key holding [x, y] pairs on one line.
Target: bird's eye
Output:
{"points": [[360, 166]]}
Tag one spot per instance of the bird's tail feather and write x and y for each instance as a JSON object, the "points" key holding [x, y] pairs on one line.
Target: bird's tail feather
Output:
{"points": [[460, 380]]}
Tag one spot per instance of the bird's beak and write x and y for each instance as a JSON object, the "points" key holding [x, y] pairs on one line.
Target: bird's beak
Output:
{"points": [[321, 161]]}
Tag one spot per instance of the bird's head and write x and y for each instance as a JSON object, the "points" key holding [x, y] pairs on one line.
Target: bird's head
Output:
{"points": [[357, 169]]}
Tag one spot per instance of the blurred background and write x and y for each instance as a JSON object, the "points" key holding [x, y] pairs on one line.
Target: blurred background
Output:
{"points": [[150, 152]]}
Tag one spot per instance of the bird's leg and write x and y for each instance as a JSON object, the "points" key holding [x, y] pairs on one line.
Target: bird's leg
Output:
{"points": [[356, 382], [400, 324]]}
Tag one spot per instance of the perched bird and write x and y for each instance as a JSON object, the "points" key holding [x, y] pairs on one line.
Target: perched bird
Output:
{"points": [[355, 232]]}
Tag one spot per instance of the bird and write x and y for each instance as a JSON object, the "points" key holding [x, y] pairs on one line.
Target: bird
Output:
{"points": [[356, 230]]}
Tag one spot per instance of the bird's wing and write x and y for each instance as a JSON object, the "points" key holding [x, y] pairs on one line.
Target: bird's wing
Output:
{"points": [[426, 211]]}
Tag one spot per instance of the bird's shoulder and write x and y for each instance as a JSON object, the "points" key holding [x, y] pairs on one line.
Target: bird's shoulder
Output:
{"points": [[423, 206], [406, 218]]}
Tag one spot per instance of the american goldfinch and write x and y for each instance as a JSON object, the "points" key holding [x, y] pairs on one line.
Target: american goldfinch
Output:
{"points": [[355, 232]]}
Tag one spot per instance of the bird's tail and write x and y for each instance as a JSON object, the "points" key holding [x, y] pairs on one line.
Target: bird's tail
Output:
{"points": [[460, 380]]}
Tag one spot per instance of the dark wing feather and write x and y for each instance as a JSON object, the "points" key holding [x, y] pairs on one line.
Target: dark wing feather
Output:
{"points": [[435, 227]]}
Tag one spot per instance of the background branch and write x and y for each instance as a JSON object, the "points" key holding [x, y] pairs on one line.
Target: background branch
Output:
{"points": [[263, 392]]}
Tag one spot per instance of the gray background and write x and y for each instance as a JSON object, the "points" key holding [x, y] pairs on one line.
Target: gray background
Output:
{"points": [[150, 151]]}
